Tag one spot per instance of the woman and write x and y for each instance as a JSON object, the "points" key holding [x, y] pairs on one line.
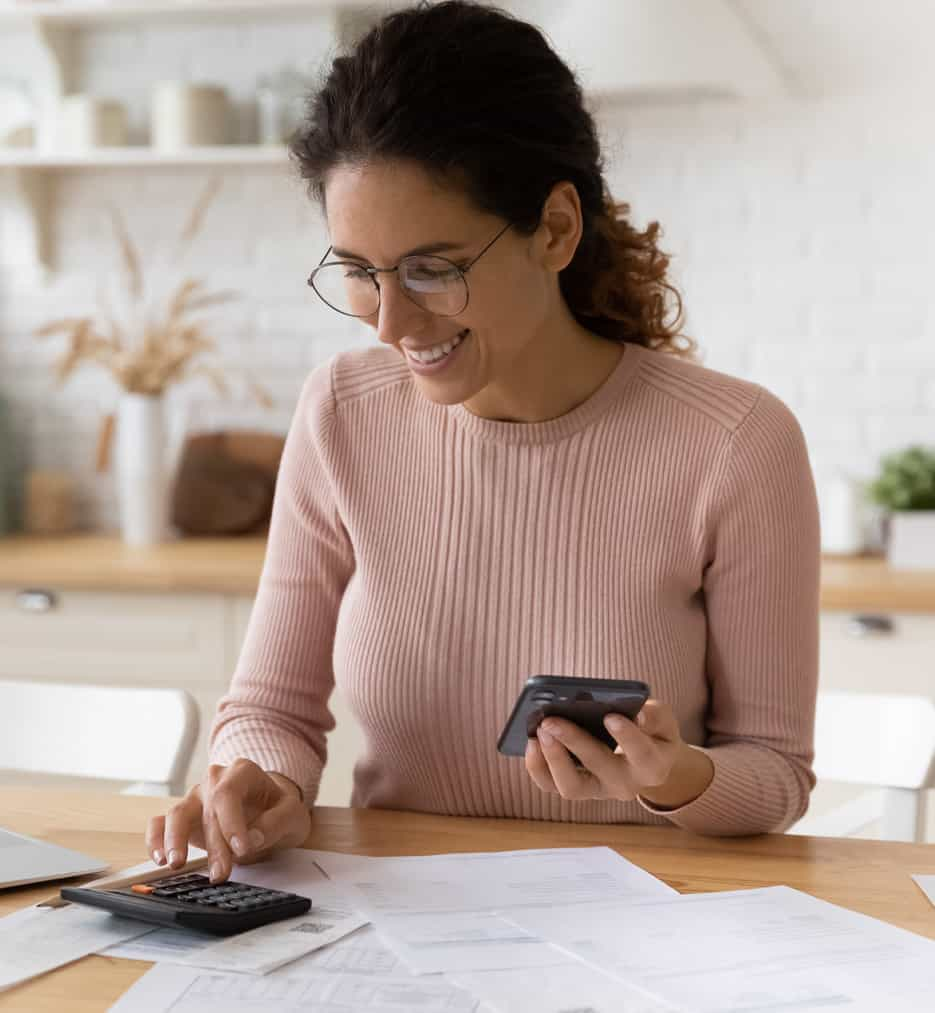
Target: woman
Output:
{"points": [[519, 480]]}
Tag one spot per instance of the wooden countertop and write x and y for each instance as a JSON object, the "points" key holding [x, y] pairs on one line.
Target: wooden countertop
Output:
{"points": [[232, 566], [104, 563], [872, 877]]}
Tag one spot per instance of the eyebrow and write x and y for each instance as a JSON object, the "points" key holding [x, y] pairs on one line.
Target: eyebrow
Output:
{"points": [[424, 250]]}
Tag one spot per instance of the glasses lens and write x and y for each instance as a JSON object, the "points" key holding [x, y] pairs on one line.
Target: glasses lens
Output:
{"points": [[347, 288], [434, 283]]}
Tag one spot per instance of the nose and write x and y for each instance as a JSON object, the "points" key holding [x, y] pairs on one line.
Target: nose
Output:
{"points": [[398, 315]]}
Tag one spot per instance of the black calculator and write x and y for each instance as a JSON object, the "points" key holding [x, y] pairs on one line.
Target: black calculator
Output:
{"points": [[189, 900]]}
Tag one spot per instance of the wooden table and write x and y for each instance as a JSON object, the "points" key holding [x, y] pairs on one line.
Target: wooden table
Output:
{"points": [[867, 876]]}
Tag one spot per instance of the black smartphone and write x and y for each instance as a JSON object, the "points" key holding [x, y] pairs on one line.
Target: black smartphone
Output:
{"points": [[584, 701]]}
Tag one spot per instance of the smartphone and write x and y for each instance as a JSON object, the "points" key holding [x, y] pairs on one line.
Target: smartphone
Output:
{"points": [[583, 701]]}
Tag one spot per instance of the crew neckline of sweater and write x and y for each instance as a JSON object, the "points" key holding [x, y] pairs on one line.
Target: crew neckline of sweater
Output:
{"points": [[563, 426]]}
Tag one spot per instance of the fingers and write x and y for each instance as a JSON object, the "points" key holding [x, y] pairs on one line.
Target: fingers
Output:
{"points": [[180, 823], [235, 813], [285, 825], [538, 768], [248, 810], [556, 738], [228, 792], [657, 721], [648, 746], [227, 808], [220, 859], [155, 839]]}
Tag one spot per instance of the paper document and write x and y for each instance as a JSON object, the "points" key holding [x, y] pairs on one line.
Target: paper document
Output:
{"points": [[161, 944], [263, 949], [432, 943], [749, 950], [361, 953], [489, 881], [927, 885], [440, 912], [571, 987], [39, 939], [168, 987]]}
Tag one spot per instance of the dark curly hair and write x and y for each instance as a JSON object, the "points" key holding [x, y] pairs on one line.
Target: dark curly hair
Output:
{"points": [[479, 98]]}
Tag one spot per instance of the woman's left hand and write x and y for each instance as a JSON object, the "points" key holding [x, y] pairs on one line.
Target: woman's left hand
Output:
{"points": [[652, 760]]}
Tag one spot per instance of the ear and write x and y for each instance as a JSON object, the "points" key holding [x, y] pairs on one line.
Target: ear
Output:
{"points": [[560, 227]]}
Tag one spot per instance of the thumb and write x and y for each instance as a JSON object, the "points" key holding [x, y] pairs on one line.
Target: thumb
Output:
{"points": [[657, 721]]}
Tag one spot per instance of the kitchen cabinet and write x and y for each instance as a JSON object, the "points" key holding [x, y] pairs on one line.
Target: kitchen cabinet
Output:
{"points": [[878, 652], [176, 614], [139, 638], [869, 650]]}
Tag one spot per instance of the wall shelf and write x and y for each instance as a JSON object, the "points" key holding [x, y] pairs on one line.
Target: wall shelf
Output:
{"points": [[27, 175]]}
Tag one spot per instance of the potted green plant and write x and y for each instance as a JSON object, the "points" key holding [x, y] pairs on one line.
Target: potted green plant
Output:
{"points": [[905, 487]]}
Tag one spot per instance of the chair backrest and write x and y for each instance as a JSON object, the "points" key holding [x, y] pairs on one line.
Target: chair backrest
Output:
{"points": [[124, 734], [878, 739]]}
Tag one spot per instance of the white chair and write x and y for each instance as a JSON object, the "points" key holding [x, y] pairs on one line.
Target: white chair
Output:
{"points": [[883, 741], [125, 734]]}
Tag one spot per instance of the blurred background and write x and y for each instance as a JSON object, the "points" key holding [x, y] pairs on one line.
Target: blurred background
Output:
{"points": [[785, 148]]}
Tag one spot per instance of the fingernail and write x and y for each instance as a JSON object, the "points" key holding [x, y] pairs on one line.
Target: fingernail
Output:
{"points": [[176, 857], [159, 857], [545, 736], [614, 722], [216, 874], [256, 837], [238, 845]]}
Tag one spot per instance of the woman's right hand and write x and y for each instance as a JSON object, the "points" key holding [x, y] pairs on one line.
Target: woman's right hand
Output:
{"points": [[237, 814]]}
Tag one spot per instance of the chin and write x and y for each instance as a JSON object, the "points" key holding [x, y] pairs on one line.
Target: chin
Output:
{"points": [[437, 393]]}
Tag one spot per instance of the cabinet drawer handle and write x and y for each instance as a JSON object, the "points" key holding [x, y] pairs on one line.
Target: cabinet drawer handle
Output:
{"points": [[36, 601], [870, 625]]}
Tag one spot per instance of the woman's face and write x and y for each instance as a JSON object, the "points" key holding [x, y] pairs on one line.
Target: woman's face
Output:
{"points": [[382, 212]]}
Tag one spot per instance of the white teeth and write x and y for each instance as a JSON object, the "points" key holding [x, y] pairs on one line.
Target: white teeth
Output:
{"points": [[438, 352]]}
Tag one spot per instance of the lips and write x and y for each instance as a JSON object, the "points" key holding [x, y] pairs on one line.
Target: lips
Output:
{"points": [[442, 350]]}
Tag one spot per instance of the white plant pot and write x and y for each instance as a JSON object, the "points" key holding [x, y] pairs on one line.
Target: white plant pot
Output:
{"points": [[911, 544], [141, 469]]}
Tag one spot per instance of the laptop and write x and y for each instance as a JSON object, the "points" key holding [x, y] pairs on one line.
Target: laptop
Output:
{"points": [[26, 860]]}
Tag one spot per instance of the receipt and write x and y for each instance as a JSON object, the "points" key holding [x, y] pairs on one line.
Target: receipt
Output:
{"points": [[39, 939]]}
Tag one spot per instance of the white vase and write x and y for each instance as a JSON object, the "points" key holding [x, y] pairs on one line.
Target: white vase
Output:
{"points": [[911, 541], [141, 469]]}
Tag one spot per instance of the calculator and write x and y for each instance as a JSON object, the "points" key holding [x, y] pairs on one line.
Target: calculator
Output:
{"points": [[190, 901]]}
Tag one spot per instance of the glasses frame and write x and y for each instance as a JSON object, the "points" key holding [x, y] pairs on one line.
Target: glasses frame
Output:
{"points": [[372, 272]]}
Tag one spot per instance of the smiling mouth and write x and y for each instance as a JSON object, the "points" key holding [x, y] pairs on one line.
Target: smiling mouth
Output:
{"points": [[437, 352]]}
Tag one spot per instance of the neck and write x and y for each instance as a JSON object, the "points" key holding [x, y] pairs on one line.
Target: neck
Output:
{"points": [[556, 371]]}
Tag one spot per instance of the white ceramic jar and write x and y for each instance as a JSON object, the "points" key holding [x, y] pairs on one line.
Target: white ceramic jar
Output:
{"points": [[189, 115], [87, 122]]}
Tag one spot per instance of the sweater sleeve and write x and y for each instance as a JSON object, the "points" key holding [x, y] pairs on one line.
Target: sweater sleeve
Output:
{"points": [[761, 592], [276, 710]]}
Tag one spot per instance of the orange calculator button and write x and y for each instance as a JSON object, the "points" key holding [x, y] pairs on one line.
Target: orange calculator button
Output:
{"points": [[142, 888]]}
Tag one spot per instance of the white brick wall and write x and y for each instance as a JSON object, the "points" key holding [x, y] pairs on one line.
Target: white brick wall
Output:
{"points": [[804, 243], [802, 232]]}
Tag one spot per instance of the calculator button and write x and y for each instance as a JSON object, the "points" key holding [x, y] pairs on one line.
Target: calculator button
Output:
{"points": [[142, 888]]}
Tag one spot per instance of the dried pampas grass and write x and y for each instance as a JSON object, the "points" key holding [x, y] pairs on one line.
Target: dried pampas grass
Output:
{"points": [[168, 343]]}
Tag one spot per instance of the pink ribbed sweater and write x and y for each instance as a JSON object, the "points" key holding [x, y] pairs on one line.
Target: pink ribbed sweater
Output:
{"points": [[428, 561]]}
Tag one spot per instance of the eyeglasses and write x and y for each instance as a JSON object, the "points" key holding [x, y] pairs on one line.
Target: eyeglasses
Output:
{"points": [[434, 283]]}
